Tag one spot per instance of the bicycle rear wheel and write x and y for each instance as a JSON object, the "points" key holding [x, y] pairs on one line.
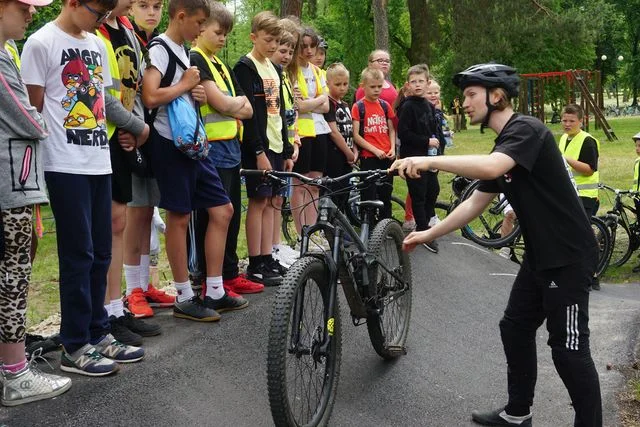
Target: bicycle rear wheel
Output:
{"points": [[603, 238], [388, 324], [301, 380], [482, 230]]}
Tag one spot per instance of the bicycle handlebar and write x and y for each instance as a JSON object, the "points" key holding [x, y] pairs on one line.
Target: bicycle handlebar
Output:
{"points": [[320, 181], [618, 191]]}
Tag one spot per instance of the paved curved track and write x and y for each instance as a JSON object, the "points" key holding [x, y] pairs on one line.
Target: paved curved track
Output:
{"points": [[214, 375]]}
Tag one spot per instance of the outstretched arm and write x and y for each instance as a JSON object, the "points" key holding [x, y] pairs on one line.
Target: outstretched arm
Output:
{"points": [[461, 216], [486, 166]]}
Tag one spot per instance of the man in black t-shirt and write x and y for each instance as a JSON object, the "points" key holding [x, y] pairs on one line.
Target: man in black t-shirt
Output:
{"points": [[560, 249]]}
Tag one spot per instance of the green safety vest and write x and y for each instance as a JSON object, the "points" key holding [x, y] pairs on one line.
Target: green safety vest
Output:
{"points": [[306, 127], [289, 105], [219, 127], [114, 89], [587, 185]]}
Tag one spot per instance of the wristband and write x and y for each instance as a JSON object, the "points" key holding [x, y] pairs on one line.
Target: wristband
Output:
{"points": [[259, 152]]}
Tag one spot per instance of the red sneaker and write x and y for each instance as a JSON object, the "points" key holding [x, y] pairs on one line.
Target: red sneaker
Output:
{"points": [[137, 304], [157, 298], [242, 285]]}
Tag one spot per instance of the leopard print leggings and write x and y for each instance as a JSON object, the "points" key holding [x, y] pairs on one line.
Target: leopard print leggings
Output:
{"points": [[15, 273]]}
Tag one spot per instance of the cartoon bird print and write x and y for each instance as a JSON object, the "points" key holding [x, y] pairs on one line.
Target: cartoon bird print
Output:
{"points": [[74, 74]]}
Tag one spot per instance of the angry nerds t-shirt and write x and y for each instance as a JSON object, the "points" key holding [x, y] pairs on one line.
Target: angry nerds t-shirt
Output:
{"points": [[74, 73]]}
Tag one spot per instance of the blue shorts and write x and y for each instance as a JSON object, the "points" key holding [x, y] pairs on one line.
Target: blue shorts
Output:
{"points": [[185, 184]]}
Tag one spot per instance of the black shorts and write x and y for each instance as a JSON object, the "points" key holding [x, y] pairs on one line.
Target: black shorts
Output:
{"points": [[258, 187], [120, 173], [312, 155]]}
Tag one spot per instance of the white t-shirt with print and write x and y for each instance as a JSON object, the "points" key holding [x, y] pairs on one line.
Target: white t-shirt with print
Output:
{"points": [[160, 60], [320, 124], [74, 73]]}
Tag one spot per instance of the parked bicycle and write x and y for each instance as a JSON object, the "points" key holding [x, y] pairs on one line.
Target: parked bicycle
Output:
{"points": [[622, 221], [305, 335]]}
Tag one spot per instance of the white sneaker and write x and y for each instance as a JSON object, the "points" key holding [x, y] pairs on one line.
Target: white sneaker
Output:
{"points": [[505, 252], [434, 220], [285, 254]]}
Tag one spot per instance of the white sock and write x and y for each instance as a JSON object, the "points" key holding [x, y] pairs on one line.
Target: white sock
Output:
{"points": [[117, 308], [131, 277], [144, 272], [184, 291], [109, 309], [214, 287]]}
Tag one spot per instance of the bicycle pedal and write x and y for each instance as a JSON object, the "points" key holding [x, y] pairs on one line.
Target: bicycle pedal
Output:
{"points": [[397, 350]]}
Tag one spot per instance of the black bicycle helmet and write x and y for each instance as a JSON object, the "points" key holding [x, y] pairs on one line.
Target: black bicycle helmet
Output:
{"points": [[489, 76]]}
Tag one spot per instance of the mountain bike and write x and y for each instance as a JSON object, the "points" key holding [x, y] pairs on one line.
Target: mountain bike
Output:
{"points": [[305, 334], [622, 220]]}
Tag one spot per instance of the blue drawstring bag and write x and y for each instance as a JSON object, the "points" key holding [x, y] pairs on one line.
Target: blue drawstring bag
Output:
{"points": [[187, 129]]}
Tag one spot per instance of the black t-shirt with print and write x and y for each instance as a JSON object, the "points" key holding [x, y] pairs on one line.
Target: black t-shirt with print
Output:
{"points": [[205, 73], [554, 225], [340, 113], [128, 63]]}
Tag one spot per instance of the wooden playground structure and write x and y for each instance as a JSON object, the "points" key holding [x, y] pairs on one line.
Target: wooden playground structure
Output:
{"points": [[531, 100]]}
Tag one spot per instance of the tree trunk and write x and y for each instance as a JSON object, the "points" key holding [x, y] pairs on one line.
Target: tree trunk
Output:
{"points": [[380, 24], [419, 18], [635, 62], [291, 7]]}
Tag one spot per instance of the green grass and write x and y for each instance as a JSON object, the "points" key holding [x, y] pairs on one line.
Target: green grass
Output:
{"points": [[616, 169]]}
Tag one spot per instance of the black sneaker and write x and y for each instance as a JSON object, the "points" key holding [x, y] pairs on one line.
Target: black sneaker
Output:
{"points": [[194, 309], [595, 284], [122, 333], [263, 274], [139, 326], [45, 344], [226, 303], [432, 246], [278, 268], [499, 417]]}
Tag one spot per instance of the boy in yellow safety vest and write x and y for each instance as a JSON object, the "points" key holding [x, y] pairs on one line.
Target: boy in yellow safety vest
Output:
{"points": [[226, 106], [581, 151]]}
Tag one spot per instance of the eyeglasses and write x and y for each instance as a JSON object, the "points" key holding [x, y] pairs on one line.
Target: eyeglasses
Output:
{"points": [[100, 16], [381, 61]]}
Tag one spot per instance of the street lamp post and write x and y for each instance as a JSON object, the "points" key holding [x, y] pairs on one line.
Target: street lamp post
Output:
{"points": [[602, 59], [620, 59]]}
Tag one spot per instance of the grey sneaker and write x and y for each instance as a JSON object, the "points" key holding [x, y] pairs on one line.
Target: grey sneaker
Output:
{"points": [[118, 352], [30, 384], [194, 309], [87, 361]]}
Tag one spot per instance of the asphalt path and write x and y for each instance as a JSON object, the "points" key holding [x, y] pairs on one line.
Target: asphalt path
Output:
{"points": [[215, 374]]}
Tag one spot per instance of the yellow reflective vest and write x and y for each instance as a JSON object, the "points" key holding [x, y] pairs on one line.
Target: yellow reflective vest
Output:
{"points": [[306, 128], [219, 127], [13, 51], [114, 89], [289, 104], [587, 185], [636, 175]]}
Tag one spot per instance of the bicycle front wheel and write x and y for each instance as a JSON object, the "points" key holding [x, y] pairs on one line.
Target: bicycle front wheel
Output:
{"points": [[622, 247], [302, 374], [388, 324], [603, 238]]}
